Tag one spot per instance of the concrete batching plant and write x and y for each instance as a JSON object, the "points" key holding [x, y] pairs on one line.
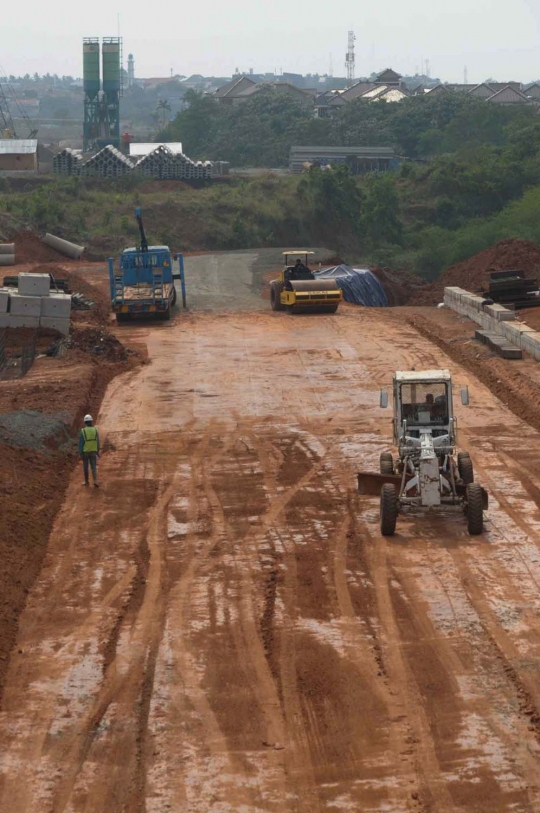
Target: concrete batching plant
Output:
{"points": [[102, 92]]}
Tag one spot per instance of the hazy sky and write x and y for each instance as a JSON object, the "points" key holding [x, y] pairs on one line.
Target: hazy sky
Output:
{"points": [[491, 37]]}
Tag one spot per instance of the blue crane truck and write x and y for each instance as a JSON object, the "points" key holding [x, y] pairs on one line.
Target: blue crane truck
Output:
{"points": [[143, 281]]}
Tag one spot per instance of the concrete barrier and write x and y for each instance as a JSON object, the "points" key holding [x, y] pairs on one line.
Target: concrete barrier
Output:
{"points": [[34, 284], [494, 318], [7, 248], [4, 300], [7, 259]]}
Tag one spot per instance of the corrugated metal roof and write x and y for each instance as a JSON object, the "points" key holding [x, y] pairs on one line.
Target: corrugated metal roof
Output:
{"points": [[18, 146], [140, 150]]}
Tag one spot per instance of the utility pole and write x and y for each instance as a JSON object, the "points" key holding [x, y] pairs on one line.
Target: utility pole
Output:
{"points": [[465, 75], [349, 59]]}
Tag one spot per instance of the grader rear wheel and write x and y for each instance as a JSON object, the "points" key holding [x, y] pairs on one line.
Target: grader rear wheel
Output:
{"points": [[276, 287], [465, 468], [386, 463], [475, 509], [389, 509]]}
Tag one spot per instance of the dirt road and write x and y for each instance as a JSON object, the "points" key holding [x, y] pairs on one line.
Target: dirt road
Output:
{"points": [[221, 627]]}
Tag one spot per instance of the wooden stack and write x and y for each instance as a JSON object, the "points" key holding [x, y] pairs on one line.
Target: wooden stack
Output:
{"points": [[512, 289]]}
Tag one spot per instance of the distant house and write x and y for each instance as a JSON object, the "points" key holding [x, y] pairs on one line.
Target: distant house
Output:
{"points": [[302, 95], [509, 95], [498, 92], [482, 91], [227, 93], [387, 86], [389, 77], [533, 92], [18, 155]]}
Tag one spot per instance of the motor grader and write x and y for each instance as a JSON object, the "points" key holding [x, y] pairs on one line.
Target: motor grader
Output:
{"points": [[426, 472], [297, 290]]}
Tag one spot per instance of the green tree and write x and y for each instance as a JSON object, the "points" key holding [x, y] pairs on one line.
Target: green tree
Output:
{"points": [[381, 211]]}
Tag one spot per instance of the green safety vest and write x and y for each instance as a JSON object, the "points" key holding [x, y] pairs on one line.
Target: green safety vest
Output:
{"points": [[89, 434]]}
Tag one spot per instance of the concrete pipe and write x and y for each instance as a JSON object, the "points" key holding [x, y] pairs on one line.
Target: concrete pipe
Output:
{"points": [[63, 246], [7, 248], [7, 259]]}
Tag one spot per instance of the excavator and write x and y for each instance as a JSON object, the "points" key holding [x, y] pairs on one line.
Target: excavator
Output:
{"points": [[297, 290]]}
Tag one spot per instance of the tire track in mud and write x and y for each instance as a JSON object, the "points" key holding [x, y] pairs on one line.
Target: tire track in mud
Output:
{"points": [[125, 679], [432, 794]]}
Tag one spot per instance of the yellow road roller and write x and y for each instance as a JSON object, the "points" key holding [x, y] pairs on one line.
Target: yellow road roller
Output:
{"points": [[297, 289]]}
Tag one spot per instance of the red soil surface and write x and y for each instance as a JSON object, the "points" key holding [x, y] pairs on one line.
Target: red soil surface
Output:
{"points": [[472, 274]]}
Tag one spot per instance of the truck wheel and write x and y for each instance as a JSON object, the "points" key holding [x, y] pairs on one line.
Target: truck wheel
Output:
{"points": [[164, 316], [465, 467], [386, 463], [389, 509], [276, 287], [173, 300], [122, 317], [475, 509]]}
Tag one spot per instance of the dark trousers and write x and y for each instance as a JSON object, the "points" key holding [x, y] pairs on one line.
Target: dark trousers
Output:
{"points": [[90, 460]]}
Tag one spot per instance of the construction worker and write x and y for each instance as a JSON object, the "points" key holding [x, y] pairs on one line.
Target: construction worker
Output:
{"points": [[89, 449]]}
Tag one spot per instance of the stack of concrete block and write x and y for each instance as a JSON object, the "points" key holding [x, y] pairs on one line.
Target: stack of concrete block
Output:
{"points": [[32, 305], [67, 162], [4, 307], [107, 163], [162, 163], [497, 319], [56, 312]]}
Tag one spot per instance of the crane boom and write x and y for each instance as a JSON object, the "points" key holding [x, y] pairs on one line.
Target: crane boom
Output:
{"points": [[144, 241]]}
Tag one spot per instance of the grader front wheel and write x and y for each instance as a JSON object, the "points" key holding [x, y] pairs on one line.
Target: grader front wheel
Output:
{"points": [[389, 509], [386, 463], [465, 467], [475, 509]]}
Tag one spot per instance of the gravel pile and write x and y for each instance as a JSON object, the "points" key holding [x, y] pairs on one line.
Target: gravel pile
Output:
{"points": [[31, 429]]}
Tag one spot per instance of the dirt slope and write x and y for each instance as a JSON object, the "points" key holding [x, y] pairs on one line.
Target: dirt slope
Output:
{"points": [[222, 628]]}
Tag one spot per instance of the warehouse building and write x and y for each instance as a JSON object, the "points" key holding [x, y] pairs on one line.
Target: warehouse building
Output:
{"points": [[359, 159], [18, 155]]}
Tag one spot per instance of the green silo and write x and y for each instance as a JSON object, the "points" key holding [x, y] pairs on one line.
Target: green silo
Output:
{"points": [[91, 76], [110, 54]]}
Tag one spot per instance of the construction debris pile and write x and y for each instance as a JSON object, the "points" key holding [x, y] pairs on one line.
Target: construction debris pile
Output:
{"points": [[510, 288], [109, 162]]}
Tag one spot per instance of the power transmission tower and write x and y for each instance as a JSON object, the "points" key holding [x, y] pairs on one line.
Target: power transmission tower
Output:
{"points": [[349, 58]]}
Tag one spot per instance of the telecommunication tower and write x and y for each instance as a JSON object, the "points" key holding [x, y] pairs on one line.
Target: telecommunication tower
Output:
{"points": [[102, 92], [349, 58]]}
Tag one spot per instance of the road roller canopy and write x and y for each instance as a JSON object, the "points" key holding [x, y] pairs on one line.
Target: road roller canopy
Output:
{"points": [[291, 256]]}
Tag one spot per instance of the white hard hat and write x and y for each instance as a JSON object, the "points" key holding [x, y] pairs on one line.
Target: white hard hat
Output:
{"points": [[88, 419]]}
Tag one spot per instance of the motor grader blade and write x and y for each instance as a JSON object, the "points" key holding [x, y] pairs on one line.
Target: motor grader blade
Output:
{"points": [[315, 296], [370, 483]]}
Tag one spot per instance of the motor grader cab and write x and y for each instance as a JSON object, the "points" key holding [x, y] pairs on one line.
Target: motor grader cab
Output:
{"points": [[426, 472], [297, 289]]}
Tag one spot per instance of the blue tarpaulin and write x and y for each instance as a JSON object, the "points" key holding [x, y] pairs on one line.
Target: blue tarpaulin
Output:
{"points": [[360, 286]]}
